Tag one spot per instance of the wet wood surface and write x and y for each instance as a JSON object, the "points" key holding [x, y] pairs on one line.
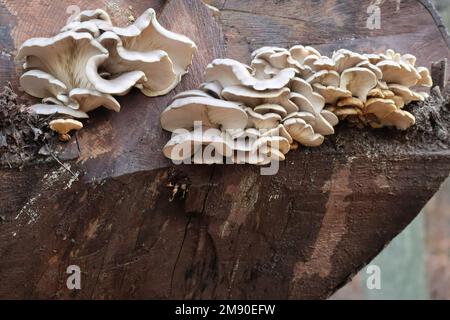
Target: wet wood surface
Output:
{"points": [[234, 234]]}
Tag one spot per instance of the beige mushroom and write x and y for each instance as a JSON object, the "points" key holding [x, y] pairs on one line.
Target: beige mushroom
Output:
{"points": [[359, 81], [253, 98], [230, 72], [214, 113], [64, 126]]}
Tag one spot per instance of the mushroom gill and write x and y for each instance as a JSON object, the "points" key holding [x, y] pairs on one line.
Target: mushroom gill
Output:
{"points": [[90, 60]]}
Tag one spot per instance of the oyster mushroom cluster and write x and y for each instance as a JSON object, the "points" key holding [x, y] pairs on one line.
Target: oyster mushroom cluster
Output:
{"points": [[287, 98], [365, 89], [245, 117], [91, 60]]}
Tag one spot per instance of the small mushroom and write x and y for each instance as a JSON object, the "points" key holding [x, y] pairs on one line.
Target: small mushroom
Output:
{"points": [[64, 126]]}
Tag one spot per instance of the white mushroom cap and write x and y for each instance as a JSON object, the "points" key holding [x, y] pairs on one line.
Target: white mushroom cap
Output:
{"points": [[252, 98], [279, 131], [359, 81], [303, 132], [271, 108], [192, 93], [309, 101], [394, 72], [90, 99], [273, 142], [185, 145], [325, 77], [182, 113], [401, 119], [345, 59], [49, 109], [407, 94], [135, 37], [230, 72], [262, 121], [331, 94], [40, 84], [381, 108], [425, 77]]}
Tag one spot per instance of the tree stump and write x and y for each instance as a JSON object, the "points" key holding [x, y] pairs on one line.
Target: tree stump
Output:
{"points": [[140, 227]]}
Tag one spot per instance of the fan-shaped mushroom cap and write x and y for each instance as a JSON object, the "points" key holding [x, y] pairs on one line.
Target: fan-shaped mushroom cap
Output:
{"points": [[407, 94], [400, 119], [376, 93], [273, 142], [425, 77], [331, 94], [262, 69], [64, 126], [230, 72], [89, 99], [380, 107], [65, 55], [136, 38], [49, 109], [279, 131], [182, 113], [153, 70], [325, 77], [366, 64], [345, 59], [303, 132], [270, 108], [192, 93], [252, 98], [299, 53], [306, 116], [359, 81], [92, 21], [40, 84], [351, 102], [309, 101], [185, 145], [394, 72], [262, 121]]}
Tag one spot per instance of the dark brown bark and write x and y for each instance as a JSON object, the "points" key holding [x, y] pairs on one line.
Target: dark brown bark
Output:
{"points": [[234, 234]]}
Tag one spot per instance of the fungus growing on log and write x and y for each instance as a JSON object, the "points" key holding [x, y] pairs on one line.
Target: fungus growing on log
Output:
{"points": [[296, 97], [81, 68]]}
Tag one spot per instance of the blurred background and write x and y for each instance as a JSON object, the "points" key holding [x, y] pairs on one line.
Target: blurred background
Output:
{"points": [[416, 264]]}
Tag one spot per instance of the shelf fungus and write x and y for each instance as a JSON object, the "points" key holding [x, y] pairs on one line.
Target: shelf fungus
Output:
{"points": [[287, 98], [254, 118], [90, 61]]}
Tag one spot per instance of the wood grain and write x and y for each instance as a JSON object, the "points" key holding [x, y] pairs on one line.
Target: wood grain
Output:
{"points": [[235, 234]]}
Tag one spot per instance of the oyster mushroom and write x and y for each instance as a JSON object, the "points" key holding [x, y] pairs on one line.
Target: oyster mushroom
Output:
{"points": [[230, 72], [214, 113], [146, 46], [185, 145], [64, 126], [359, 81], [62, 67], [253, 98]]}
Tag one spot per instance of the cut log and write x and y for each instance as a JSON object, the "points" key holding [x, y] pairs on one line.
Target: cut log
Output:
{"points": [[140, 227]]}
